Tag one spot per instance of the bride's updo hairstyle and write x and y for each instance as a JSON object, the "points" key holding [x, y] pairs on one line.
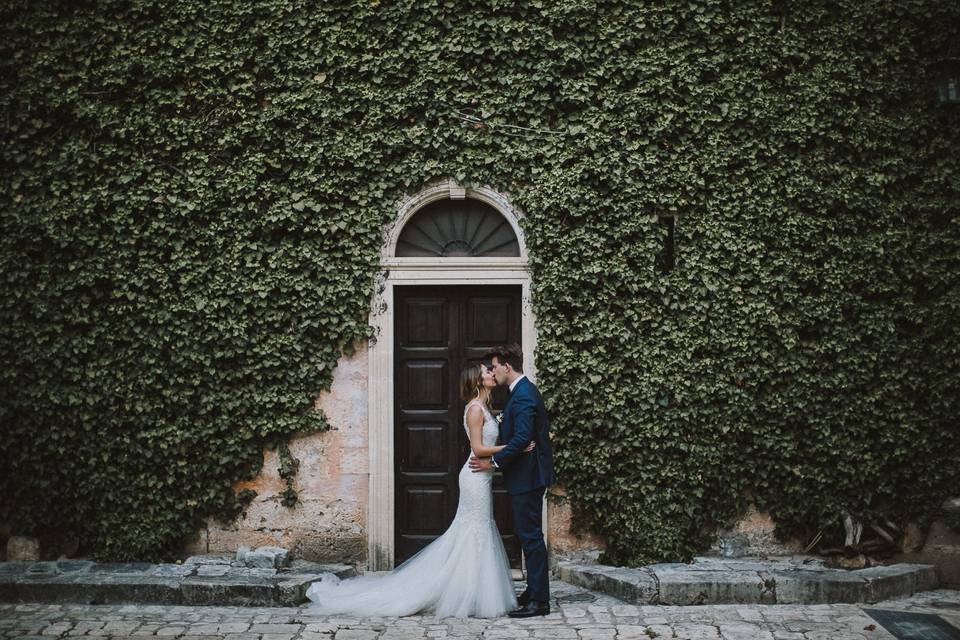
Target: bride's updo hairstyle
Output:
{"points": [[470, 379]]}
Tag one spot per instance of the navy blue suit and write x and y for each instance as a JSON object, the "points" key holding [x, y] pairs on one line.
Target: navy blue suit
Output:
{"points": [[527, 475]]}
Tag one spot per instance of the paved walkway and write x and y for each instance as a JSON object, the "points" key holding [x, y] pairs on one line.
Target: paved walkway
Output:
{"points": [[578, 614]]}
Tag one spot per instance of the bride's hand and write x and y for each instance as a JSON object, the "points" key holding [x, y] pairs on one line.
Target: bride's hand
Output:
{"points": [[530, 447]]}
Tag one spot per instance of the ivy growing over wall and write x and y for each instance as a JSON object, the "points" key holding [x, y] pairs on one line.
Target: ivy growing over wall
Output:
{"points": [[193, 198]]}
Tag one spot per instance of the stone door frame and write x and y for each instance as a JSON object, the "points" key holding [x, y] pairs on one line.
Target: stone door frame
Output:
{"points": [[396, 272]]}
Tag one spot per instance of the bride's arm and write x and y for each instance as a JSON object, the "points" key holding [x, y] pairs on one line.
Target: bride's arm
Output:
{"points": [[475, 427]]}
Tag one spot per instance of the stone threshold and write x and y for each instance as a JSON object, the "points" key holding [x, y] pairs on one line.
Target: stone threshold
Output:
{"points": [[201, 580], [726, 581]]}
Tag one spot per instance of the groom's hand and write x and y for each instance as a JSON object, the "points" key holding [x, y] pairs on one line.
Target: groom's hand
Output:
{"points": [[479, 464]]}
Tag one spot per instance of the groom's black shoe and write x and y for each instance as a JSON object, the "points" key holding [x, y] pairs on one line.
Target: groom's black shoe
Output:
{"points": [[523, 599], [530, 610]]}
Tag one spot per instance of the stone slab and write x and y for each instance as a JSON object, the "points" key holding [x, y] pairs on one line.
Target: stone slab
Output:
{"points": [[680, 587], [86, 582], [630, 586], [92, 589], [175, 570], [815, 587], [227, 591], [73, 566], [739, 582], [212, 570], [122, 567], [210, 558], [315, 568], [266, 558], [927, 577], [128, 588], [293, 591], [42, 570], [13, 568], [884, 583]]}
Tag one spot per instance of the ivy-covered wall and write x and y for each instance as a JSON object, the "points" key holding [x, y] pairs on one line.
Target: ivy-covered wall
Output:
{"points": [[193, 196]]}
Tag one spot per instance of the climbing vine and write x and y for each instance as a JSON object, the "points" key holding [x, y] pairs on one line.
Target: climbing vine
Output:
{"points": [[289, 466], [193, 199]]}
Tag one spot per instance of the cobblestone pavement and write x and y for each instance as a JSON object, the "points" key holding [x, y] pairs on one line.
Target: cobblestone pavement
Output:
{"points": [[577, 614]]}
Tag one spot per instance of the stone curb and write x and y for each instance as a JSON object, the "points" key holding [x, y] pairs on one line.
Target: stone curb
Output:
{"points": [[718, 581], [214, 581]]}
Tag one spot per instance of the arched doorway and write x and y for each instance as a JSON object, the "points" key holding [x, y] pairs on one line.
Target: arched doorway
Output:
{"points": [[453, 281]]}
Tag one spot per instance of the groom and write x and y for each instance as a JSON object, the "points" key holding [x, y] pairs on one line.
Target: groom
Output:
{"points": [[527, 475]]}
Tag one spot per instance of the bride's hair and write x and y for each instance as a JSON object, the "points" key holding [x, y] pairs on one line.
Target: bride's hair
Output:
{"points": [[471, 381]]}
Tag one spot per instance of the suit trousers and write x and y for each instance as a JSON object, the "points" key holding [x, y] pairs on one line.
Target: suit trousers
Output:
{"points": [[528, 524]]}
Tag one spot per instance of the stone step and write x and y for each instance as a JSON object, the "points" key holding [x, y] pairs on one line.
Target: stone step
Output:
{"points": [[215, 581], [719, 581]]}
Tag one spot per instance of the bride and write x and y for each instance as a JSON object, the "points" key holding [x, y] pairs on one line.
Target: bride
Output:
{"points": [[464, 572]]}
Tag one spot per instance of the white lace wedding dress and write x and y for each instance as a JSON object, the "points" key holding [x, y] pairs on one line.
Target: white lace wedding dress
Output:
{"points": [[465, 572]]}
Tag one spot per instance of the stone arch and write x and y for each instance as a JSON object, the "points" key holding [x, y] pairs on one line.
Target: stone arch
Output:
{"points": [[457, 229], [449, 190], [425, 270]]}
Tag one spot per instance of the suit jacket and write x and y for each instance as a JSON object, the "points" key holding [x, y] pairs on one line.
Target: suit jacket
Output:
{"points": [[525, 419]]}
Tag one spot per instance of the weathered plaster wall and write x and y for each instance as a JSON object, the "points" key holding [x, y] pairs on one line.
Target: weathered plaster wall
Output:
{"points": [[561, 539], [329, 523], [753, 534]]}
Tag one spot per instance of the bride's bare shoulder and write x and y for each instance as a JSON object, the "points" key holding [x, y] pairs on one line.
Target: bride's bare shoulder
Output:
{"points": [[474, 408]]}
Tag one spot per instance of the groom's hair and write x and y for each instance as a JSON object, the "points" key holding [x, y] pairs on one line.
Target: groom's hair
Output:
{"points": [[510, 354]]}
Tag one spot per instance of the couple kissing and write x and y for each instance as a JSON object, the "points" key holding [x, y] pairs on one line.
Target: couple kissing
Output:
{"points": [[465, 572]]}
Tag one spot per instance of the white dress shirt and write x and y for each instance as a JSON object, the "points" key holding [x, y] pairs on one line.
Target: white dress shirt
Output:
{"points": [[514, 383]]}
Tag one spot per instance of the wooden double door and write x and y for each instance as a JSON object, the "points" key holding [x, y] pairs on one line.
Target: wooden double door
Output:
{"points": [[439, 330]]}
